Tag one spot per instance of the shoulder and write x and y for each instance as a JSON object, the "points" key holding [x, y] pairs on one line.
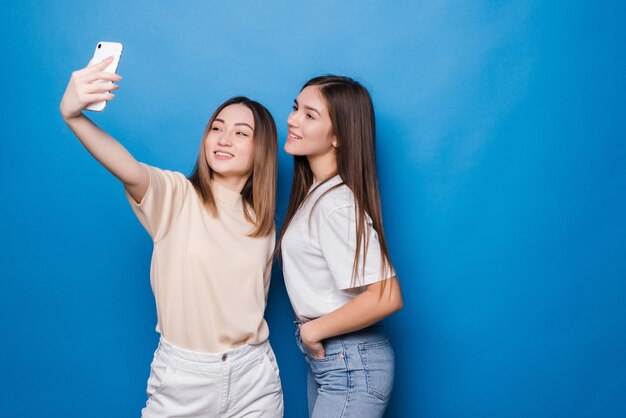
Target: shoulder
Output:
{"points": [[166, 176], [156, 171], [336, 202]]}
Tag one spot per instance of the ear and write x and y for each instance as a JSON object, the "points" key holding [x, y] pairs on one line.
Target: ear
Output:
{"points": [[335, 142]]}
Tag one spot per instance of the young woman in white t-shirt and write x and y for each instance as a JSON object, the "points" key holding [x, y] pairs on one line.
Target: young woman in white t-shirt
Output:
{"points": [[335, 260], [213, 236]]}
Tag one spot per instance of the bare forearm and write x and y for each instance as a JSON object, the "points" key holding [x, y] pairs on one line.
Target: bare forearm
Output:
{"points": [[111, 154], [366, 309], [80, 92], [104, 148]]}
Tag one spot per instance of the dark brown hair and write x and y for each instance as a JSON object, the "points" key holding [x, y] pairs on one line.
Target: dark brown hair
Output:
{"points": [[259, 192], [353, 125]]}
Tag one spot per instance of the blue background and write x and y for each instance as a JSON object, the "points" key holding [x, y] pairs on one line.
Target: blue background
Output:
{"points": [[502, 163]]}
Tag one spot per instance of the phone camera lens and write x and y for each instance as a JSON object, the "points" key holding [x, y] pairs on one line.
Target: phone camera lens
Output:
{"points": [[99, 45]]}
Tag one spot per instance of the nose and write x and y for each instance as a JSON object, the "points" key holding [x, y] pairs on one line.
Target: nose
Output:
{"points": [[224, 139], [292, 119]]}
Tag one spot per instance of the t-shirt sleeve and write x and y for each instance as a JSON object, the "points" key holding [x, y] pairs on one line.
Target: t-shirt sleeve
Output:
{"points": [[162, 202], [337, 240]]}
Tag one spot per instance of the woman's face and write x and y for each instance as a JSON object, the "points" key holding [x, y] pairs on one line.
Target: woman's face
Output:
{"points": [[229, 146], [310, 128]]}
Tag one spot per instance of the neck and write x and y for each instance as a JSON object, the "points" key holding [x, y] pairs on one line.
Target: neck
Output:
{"points": [[232, 183], [323, 166]]}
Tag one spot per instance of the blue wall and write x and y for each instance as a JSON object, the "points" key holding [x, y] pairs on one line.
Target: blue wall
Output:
{"points": [[502, 166]]}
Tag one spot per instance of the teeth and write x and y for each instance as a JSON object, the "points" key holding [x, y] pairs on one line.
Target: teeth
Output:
{"points": [[294, 136], [223, 154]]}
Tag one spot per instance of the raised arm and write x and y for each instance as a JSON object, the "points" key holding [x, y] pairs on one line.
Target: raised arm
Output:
{"points": [[81, 92]]}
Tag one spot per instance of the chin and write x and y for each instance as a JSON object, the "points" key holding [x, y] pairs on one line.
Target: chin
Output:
{"points": [[289, 150]]}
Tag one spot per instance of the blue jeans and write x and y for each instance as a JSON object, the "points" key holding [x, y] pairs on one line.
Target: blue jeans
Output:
{"points": [[354, 379]]}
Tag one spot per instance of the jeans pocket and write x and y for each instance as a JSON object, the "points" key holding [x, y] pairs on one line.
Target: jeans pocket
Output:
{"points": [[327, 356], [378, 364]]}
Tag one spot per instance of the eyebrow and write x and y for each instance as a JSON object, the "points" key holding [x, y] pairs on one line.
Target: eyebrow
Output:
{"points": [[309, 108], [237, 124]]}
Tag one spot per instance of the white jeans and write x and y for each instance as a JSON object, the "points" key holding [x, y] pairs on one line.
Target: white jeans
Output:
{"points": [[243, 382]]}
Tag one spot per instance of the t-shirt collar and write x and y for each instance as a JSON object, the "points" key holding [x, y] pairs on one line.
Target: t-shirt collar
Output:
{"points": [[225, 195], [336, 179]]}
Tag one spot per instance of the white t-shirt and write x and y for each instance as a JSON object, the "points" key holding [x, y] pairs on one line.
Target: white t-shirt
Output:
{"points": [[318, 252]]}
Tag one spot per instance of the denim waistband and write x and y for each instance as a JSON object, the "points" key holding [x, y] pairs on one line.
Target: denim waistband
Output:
{"points": [[347, 348], [367, 335]]}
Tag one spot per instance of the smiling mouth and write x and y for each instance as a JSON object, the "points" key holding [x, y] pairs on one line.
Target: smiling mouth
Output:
{"points": [[223, 155], [294, 137]]}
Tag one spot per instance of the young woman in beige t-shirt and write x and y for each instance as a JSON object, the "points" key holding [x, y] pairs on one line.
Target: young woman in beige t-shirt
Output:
{"points": [[213, 236]]}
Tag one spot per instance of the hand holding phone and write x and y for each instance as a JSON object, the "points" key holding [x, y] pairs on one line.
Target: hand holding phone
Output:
{"points": [[102, 52], [91, 87]]}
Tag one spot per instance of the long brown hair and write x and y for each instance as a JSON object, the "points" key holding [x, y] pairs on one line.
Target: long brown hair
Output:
{"points": [[353, 125], [259, 192]]}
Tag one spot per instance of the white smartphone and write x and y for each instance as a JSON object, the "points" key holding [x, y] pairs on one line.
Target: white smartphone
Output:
{"points": [[102, 52]]}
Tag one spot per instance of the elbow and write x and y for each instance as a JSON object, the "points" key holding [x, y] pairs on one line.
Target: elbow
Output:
{"points": [[396, 304], [393, 305], [388, 300], [395, 297], [400, 304]]}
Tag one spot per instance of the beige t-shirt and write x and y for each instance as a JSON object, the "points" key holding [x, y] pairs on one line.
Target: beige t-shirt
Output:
{"points": [[209, 278]]}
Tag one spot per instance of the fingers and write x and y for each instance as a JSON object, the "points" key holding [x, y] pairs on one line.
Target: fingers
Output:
{"points": [[100, 75], [316, 349], [100, 87], [96, 83], [93, 67], [99, 66], [93, 98], [318, 354]]}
